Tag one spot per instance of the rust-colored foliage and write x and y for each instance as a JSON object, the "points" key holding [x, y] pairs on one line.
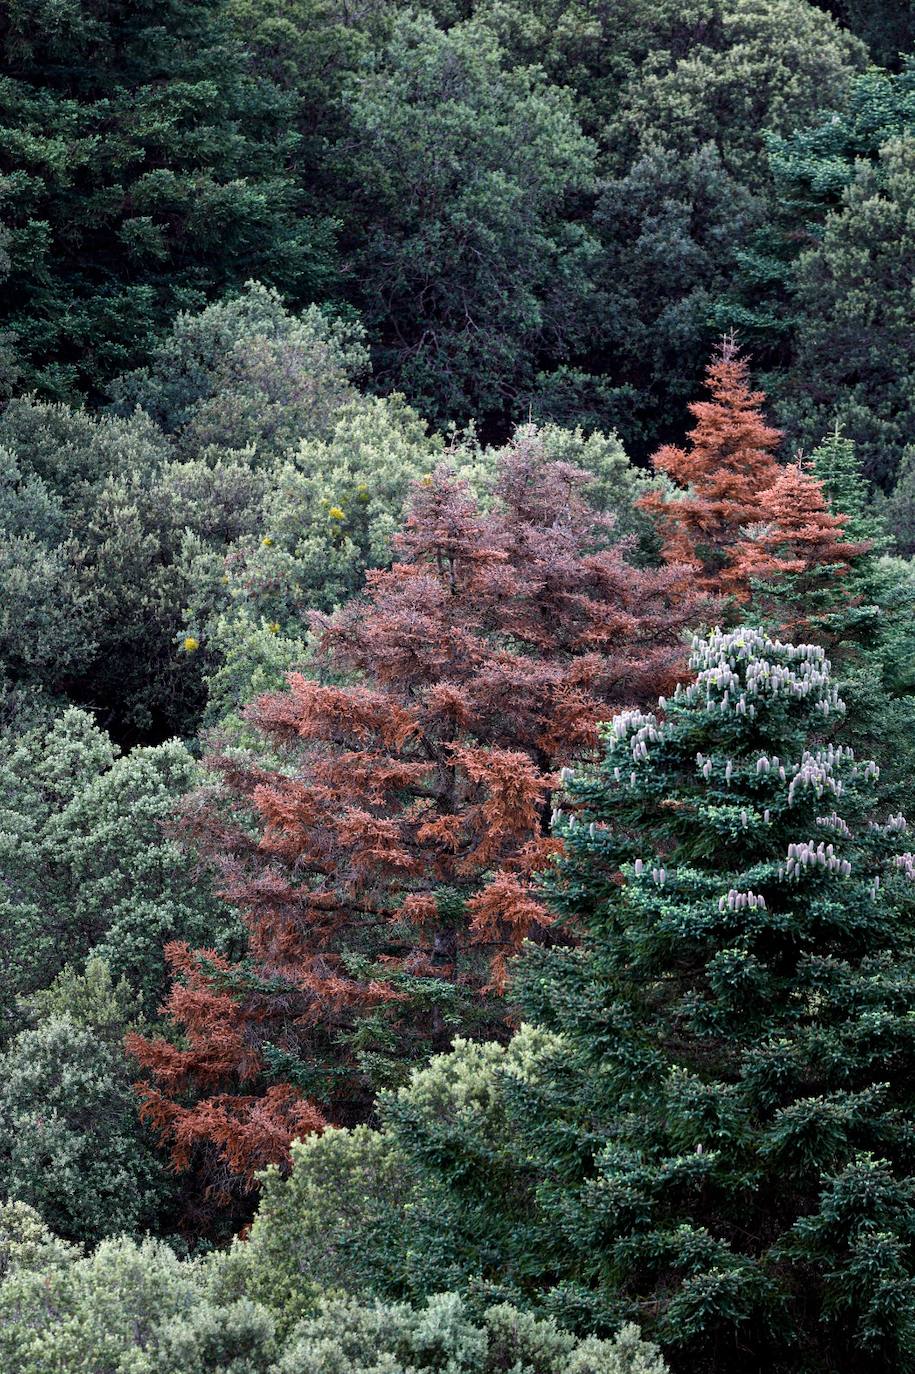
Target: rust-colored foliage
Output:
{"points": [[795, 553], [383, 869], [751, 529], [728, 463]]}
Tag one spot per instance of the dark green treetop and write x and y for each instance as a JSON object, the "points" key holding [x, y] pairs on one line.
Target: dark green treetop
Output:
{"points": [[811, 169], [143, 168]]}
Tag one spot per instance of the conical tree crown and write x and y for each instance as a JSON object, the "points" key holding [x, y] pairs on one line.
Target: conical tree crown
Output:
{"points": [[719, 782], [835, 462], [741, 1018], [793, 562], [729, 460]]}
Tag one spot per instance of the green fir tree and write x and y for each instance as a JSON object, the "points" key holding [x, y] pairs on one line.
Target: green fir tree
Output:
{"points": [[707, 1123]]}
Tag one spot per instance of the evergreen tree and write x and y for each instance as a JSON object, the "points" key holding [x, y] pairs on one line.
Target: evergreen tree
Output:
{"points": [[763, 921], [143, 169], [792, 563], [670, 224], [381, 853], [246, 372], [70, 1142], [747, 68], [139, 1308], [115, 529], [128, 1305], [836, 465], [720, 477], [811, 168], [888, 30], [871, 628], [740, 966], [900, 508], [709, 1124], [45, 625], [854, 354], [678, 74]]}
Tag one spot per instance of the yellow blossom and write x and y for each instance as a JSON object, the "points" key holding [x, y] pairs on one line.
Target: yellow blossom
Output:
{"points": [[336, 513], [190, 644], [273, 627], [266, 541]]}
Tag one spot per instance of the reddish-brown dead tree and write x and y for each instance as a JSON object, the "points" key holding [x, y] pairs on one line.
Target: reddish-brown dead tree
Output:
{"points": [[382, 861], [790, 563], [728, 462]]}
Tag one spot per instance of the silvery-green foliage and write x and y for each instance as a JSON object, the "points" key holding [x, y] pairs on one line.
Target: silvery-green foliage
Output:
{"points": [[87, 865], [27, 1244], [71, 1144], [70, 450], [329, 511], [246, 371], [44, 626], [128, 1308], [347, 1337], [135, 1308]]}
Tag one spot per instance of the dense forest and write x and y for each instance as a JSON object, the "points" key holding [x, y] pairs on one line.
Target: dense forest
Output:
{"points": [[457, 687]]}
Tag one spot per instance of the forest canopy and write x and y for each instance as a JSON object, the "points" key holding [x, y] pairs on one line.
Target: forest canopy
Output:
{"points": [[457, 686]]}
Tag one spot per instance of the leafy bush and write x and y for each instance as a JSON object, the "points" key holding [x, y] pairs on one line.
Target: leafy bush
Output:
{"points": [[135, 1308], [89, 868], [246, 372], [70, 1142]]}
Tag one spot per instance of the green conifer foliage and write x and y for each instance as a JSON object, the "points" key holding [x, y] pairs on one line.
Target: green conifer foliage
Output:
{"points": [[835, 463], [465, 266], [869, 628], [706, 1124], [854, 346], [143, 169], [813, 167], [741, 1018], [900, 509]]}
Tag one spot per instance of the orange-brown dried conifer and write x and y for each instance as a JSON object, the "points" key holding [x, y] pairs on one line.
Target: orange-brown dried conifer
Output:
{"points": [[727, 463], [383, 869]]}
